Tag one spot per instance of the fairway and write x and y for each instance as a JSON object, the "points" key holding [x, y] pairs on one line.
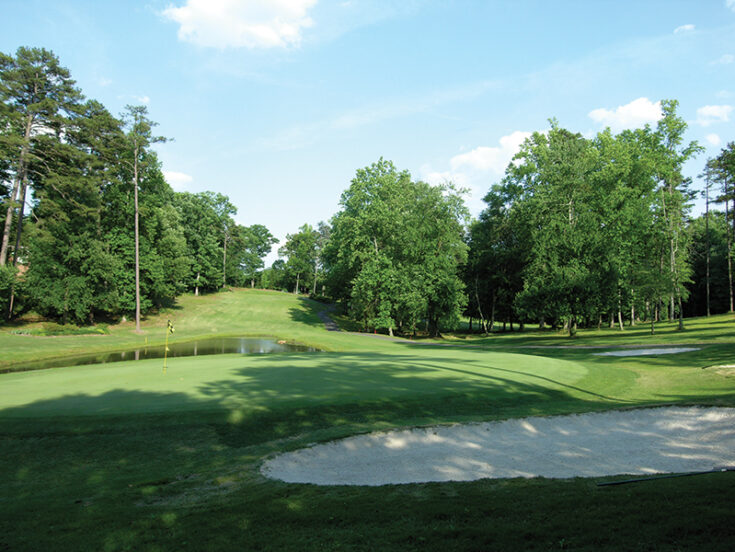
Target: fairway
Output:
{"points": [[124, 457]]}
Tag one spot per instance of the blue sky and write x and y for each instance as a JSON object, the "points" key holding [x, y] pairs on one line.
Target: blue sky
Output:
{"points": [[277, 103]]}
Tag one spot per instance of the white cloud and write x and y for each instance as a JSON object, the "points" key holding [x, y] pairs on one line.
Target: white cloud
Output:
{"points": [[177, 180], [492, 159], [710, 114], [143, 99], [684, 28], [730, 4], [725, 59], [724, 94], [103, 81], [242, 23], [632, 115], [478, 169], [713, 139]]}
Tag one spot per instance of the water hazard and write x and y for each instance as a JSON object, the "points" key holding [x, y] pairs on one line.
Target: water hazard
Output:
{"points": [[210, 346]]}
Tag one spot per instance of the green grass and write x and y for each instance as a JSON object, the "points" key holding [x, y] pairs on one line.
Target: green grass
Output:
{"points": [[123, 457], [237, 313], [716, 329]]}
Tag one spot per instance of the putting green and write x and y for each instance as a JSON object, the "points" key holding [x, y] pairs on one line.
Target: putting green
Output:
{"points": [[237, 382]]}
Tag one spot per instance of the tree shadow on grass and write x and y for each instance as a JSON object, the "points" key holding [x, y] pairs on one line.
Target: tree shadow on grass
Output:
{"points": [[307, 312], [376, 389], [131, 469]]}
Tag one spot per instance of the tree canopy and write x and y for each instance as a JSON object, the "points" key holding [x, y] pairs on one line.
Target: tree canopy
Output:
{"points": [[395, 250], [106, 235]]}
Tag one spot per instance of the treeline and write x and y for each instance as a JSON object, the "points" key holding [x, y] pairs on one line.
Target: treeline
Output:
{"points": [[390, 256], [579, 232], [105, 235], [593, 231]]}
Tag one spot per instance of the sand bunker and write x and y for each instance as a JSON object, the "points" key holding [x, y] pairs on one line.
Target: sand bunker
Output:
{"points": [[642, 352], [656, 440]]}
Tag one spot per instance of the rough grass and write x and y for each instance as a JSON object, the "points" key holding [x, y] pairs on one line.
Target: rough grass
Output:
{"points": [[123, 457]]}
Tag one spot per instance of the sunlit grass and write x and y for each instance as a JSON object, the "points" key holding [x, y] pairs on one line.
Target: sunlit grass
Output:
{"points": [[124, 457]]}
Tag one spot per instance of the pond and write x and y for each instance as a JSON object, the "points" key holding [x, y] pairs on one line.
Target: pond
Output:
{"points": [[201, 347]]}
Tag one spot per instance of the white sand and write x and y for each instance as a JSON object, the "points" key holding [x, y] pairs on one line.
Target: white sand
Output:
{"points": [[642, 352], [646, 441]]}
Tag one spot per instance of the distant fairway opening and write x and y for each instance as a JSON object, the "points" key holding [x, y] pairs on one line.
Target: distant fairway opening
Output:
{"points": [[199, 347], [642, 441]]}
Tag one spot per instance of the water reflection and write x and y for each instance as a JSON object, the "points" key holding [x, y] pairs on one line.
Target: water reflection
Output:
{"points": [[210, 346]]}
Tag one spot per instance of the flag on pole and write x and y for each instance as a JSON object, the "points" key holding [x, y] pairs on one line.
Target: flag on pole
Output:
{"points": [[169, 330]]}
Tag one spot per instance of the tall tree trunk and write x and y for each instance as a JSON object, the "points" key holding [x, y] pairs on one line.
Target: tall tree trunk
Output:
{"points": [[137, 243], [492, 313], [672, 308], [296, 290], [8, 222], [706, 234], [668, 217], [433, 324], [224, 262], [479, 307], [313, 289], [729, 256], [20, 179], [620, 310], [632, 307], [19, 224], [18, 232], [196, 286]]}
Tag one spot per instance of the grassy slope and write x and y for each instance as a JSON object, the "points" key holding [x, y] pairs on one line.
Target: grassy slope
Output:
{"points": [[122, 457], [237, 313]]}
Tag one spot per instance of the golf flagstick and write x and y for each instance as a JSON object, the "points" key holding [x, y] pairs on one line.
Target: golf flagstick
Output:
{"points": [[169, 330]]}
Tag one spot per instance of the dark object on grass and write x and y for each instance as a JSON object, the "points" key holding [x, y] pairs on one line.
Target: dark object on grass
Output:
{"points": [[667, 476]]}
